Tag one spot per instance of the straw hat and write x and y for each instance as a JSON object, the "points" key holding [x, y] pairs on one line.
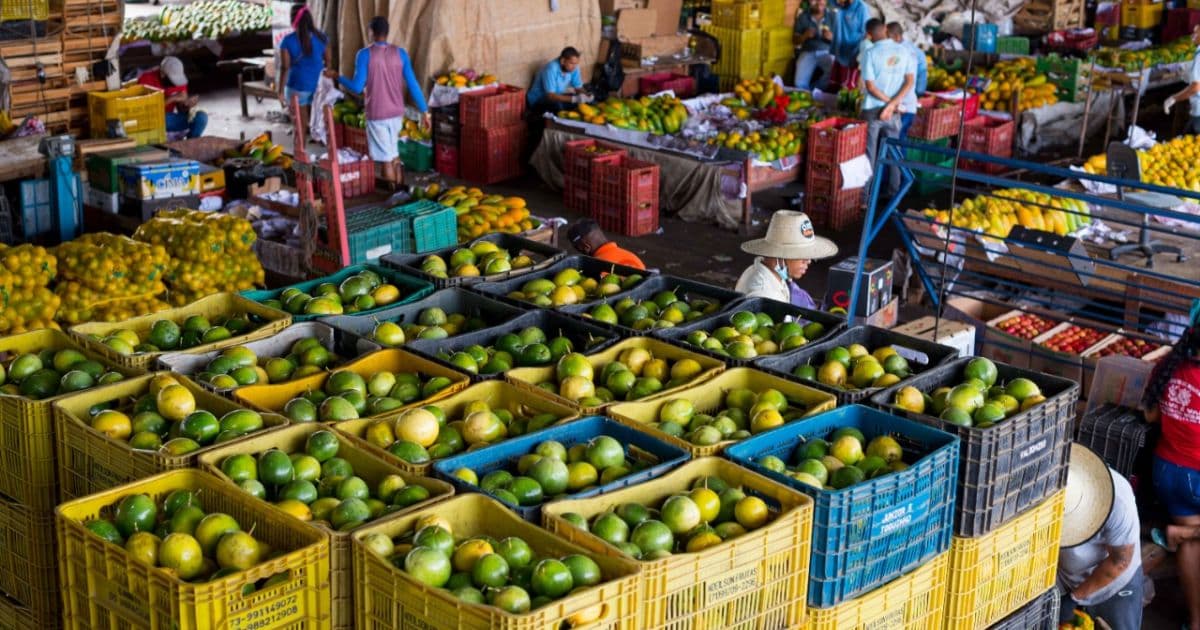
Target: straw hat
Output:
{"points": [[1090, 496], [790, 236]]}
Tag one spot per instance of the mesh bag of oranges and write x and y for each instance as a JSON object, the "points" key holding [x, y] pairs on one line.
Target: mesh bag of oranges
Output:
{"points": [[105, 276], [211, 253], [25, 301]]}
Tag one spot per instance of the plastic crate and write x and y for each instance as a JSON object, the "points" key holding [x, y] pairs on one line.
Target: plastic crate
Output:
{"points": [[89, 461], [1138, 15], [528, 378], [1116, 434], [280, 345], [272, 398], [588, 266], [682, 85], [447, 121], [1009, 45], [741, 47], [774, 13], [990, 136], [103, 587], [214, 307], [836, 140], [579, 331], [411, 288], [656, 456], [920, 353], [38, 10], [495, 393], [392, 599], [367, 467], [445, 159], [543, 256], [421, 226], [1012, 466], [351, 137], [776, 68], [28, 562], [928, 182], [738, 14], [994, 575], [1039, 614], [358, 329], [141, 110], [934, 122], [916, 600], [358, 179], [17, 616], [1070, 74], [681, 287], [579, 157], [777, 44], [490, 108], [708, 397], [624, 196], [756, 580], [980, 37], [28, 451], [873, 532], [835, 211], [778, 311], [491, 155], [417, 157]]}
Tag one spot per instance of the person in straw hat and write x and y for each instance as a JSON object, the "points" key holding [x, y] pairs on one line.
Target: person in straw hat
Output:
{"points": [[783, 258], [1099, 557]]}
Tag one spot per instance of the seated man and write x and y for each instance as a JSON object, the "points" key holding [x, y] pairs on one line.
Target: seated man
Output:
{"points": [[557, 85], [170, 78]]}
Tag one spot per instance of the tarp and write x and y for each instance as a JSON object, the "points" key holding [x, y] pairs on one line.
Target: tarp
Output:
{"points": [[1059, 125], [511, 39]]}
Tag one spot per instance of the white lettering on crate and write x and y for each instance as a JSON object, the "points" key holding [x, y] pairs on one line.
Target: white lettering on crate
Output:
{"points": [[731, 584]]}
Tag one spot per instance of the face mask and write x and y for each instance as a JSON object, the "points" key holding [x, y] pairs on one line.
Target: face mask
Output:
{"points": [[782, 271]]}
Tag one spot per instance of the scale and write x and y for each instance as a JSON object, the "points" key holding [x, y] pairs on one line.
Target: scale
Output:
{"points": [[65, 202]]}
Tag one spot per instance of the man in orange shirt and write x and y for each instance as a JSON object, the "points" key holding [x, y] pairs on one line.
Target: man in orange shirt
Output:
{"points": [[589, 239]]}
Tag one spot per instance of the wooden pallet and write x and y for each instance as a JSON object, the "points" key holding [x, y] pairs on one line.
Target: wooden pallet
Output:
{"points": [[1043, 16]]}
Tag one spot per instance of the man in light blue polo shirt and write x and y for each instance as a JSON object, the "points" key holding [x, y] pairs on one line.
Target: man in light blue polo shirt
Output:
{"points": [[908, 109], [1192, 91], [888, 72], [557, 85]]}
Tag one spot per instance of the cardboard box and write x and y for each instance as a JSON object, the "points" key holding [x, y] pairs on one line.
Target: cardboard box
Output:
{"points": [[103, 201], [1064, 364], [635, 24], [102, 167], [887, 316], [957, 335], [876, 288], [162, 180], [611, 7], [211, 178], [669, 12], [269, 185], [1091, 359], [1118, 380], [655, 46], [1003, 347]]}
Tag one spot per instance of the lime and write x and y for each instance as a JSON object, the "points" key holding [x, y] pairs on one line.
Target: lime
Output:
{"points": [[527, 491], [428, 566], [516, 552], [512, 599], [610, 528], [106, 531], [551, 578], [584, 570], [299, 490], [410, 495], [275, 468], [435, 537], [240, 467], [652, 535], [254, 488], [135, 513], [490, 570]]}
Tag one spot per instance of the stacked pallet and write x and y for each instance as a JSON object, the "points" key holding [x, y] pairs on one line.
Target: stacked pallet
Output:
{"points": [[52, 74]]}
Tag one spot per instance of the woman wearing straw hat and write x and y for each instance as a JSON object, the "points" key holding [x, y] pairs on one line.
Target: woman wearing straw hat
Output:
{"points": [[783, 258], [1099, 557]]}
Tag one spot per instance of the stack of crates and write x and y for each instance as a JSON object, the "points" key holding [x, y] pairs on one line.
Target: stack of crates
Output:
{"points": [[493, 134], [989, 136], [1140, 19], [1070, 74], [755, 40], [830, 143], [625, 196], [447, 128], [580, 158]]}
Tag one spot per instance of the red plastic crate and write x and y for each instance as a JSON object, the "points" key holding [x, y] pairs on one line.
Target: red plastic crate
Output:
{"points": [[827, 183], [578, 164], [1073, 40], [990, 136], [488, 156], [835, 211], [683, 85], [625, 196], [1179, 23], [934, 122], [352, 138], [358, 179], [836, 140], [445, 159], [499, 106]]}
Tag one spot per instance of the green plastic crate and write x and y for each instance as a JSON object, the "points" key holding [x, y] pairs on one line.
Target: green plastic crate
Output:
{"points": [[415, 228], [411, 289], [1012, 45], [416, 156], [926, 182], [1068, 73]]}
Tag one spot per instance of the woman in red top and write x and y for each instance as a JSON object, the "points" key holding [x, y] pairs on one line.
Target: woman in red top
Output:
{"points": [[1173, 398]]}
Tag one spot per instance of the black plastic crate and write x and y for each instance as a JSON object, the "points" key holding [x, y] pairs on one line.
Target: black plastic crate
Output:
{"points": [[358, 329], [778, 311], [542, 254], [1039, 614], [1116, 434], [1012, 466], [921, 354], [647, 289], [588, 266], [552, 322]]}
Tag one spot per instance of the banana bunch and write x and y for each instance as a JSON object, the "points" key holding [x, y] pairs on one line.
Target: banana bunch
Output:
{"points": [[262, 149]]}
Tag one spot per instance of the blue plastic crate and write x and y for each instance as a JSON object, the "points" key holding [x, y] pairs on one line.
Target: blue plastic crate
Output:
{"points": [[659, 456], [411, 289], [870, 533], [980, 37]]}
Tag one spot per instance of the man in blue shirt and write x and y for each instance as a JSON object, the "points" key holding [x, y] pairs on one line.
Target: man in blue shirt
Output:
{"points": [[908, 109], [850, 23], [888, 73], [557, 85]]}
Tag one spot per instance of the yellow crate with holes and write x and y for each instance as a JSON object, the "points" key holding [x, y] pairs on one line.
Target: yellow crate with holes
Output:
{"points": [[264, 322], [28, 563], [38, 10], [741, 50], [994, 575], [709, 397], [366, 466], [389, 598], [756, 580], [912, 602], [141, 110], [105, 588]]}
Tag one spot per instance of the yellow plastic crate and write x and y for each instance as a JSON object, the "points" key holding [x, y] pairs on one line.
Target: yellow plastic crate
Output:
{"points": [[370, 468], [16, 616], [912, 602], [104, 588], [89, 461], [709, 397], [28, 564], [757, 580], [388, 598], [27, 427], [776, 68], [741, 49], [496, 393], [528, 378], [994, 575], [141, 110], [777, 44], [213, 307], [272, 398], [738, 14], [38, 10]]}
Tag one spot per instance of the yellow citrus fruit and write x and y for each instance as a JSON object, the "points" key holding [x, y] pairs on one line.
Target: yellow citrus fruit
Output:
{"points": [[114, 424], [708, 502], [418, 426], [469, 552], [175, 402], [751, 512], [295, 508]]}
